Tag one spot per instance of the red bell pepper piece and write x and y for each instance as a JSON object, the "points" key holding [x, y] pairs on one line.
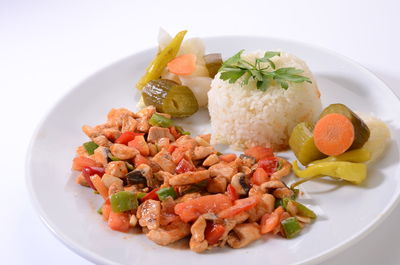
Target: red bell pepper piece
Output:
{"points": [[152, 195], [126, 137]]}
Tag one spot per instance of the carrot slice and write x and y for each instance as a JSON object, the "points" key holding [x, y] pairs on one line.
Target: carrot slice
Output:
{"points": [[333, 134], [118, 221], [184, 64], [191, 209], [239, 206], [80, 162], [270, 221], [99, 185], [106, 209]]}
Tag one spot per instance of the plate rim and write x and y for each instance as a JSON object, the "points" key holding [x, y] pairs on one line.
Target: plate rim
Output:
{"points": [[96, 258]]}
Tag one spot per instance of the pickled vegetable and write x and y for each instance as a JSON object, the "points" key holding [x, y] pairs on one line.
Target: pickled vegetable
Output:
{"points": [[170, 97], [352, 172], [213, 63], [358, 156], [361, 130], [301, 141], [156, 67]]}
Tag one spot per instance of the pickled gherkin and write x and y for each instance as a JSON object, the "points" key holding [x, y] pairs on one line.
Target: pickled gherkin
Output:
{"points": [[157, 66], [361, 130], [301, 142], [170, 97]]}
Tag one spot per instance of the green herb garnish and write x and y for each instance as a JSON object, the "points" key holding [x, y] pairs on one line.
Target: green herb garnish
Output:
{"points": [[235, 67]]}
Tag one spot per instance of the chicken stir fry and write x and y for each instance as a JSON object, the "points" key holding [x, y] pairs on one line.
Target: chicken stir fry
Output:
{"points": [[154, 176]]}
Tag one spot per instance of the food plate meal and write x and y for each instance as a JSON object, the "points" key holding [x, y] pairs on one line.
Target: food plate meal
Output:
{"points": [[264, 146]]}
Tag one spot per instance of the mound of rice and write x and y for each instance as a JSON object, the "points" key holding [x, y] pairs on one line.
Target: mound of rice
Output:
{"points": [[243, 116]]}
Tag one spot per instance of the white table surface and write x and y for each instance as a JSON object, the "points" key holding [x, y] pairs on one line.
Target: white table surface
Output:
{"points": [[49, 46]]}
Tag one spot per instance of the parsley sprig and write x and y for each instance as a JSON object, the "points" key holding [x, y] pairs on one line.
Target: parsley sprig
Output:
{"points": [[235, 67]]}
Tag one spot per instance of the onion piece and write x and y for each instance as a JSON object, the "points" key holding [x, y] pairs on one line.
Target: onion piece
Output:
{"points": [[200, 85]]}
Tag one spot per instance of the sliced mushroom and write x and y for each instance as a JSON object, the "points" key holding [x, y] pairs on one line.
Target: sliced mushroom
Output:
{"points": [[136, 177], [143, 174], [272, 184], [240, 183], [243, 235]]}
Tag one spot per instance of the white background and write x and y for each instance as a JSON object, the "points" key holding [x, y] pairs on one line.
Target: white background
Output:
{"points": [[47, 47]]}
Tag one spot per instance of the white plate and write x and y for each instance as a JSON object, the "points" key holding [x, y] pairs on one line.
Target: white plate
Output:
{"points": [[346, 213]]}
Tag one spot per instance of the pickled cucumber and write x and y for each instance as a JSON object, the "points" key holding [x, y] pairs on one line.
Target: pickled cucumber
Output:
{"points": [[361, 130], [301, 142], [213, 63], [170, 97], [156, 67]]}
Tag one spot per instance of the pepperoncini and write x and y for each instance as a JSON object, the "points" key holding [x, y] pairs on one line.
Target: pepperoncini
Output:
{"points": [[352, 172], [357, 156], [156, 67]]}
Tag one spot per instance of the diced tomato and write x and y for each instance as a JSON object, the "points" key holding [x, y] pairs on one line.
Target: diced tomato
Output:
{"points": [[239, 206], [213, 233], [171, 148], [228, 157], [259, 152], [126, 137], [139, 159], [259, 176], [184, 166], [79, 162], [118, 221], [174, 132], [190, 210], [231, 191], [152, 195], [140, 144], [90, 171], [269, 164]]}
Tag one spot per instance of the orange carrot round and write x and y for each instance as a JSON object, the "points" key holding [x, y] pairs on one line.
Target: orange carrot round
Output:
{"points": [[333, 134], [184, 64]]}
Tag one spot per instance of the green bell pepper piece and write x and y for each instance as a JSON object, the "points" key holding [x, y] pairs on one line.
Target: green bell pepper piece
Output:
{"points": [[113, 158], [140, 195], [161, 121], [123, 201], [164, 193], [291, 227], [181, 130], [90, 147], [302, 210]]}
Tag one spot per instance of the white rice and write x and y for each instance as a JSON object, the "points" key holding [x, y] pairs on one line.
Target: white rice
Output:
{"points": [[243, 116]]}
